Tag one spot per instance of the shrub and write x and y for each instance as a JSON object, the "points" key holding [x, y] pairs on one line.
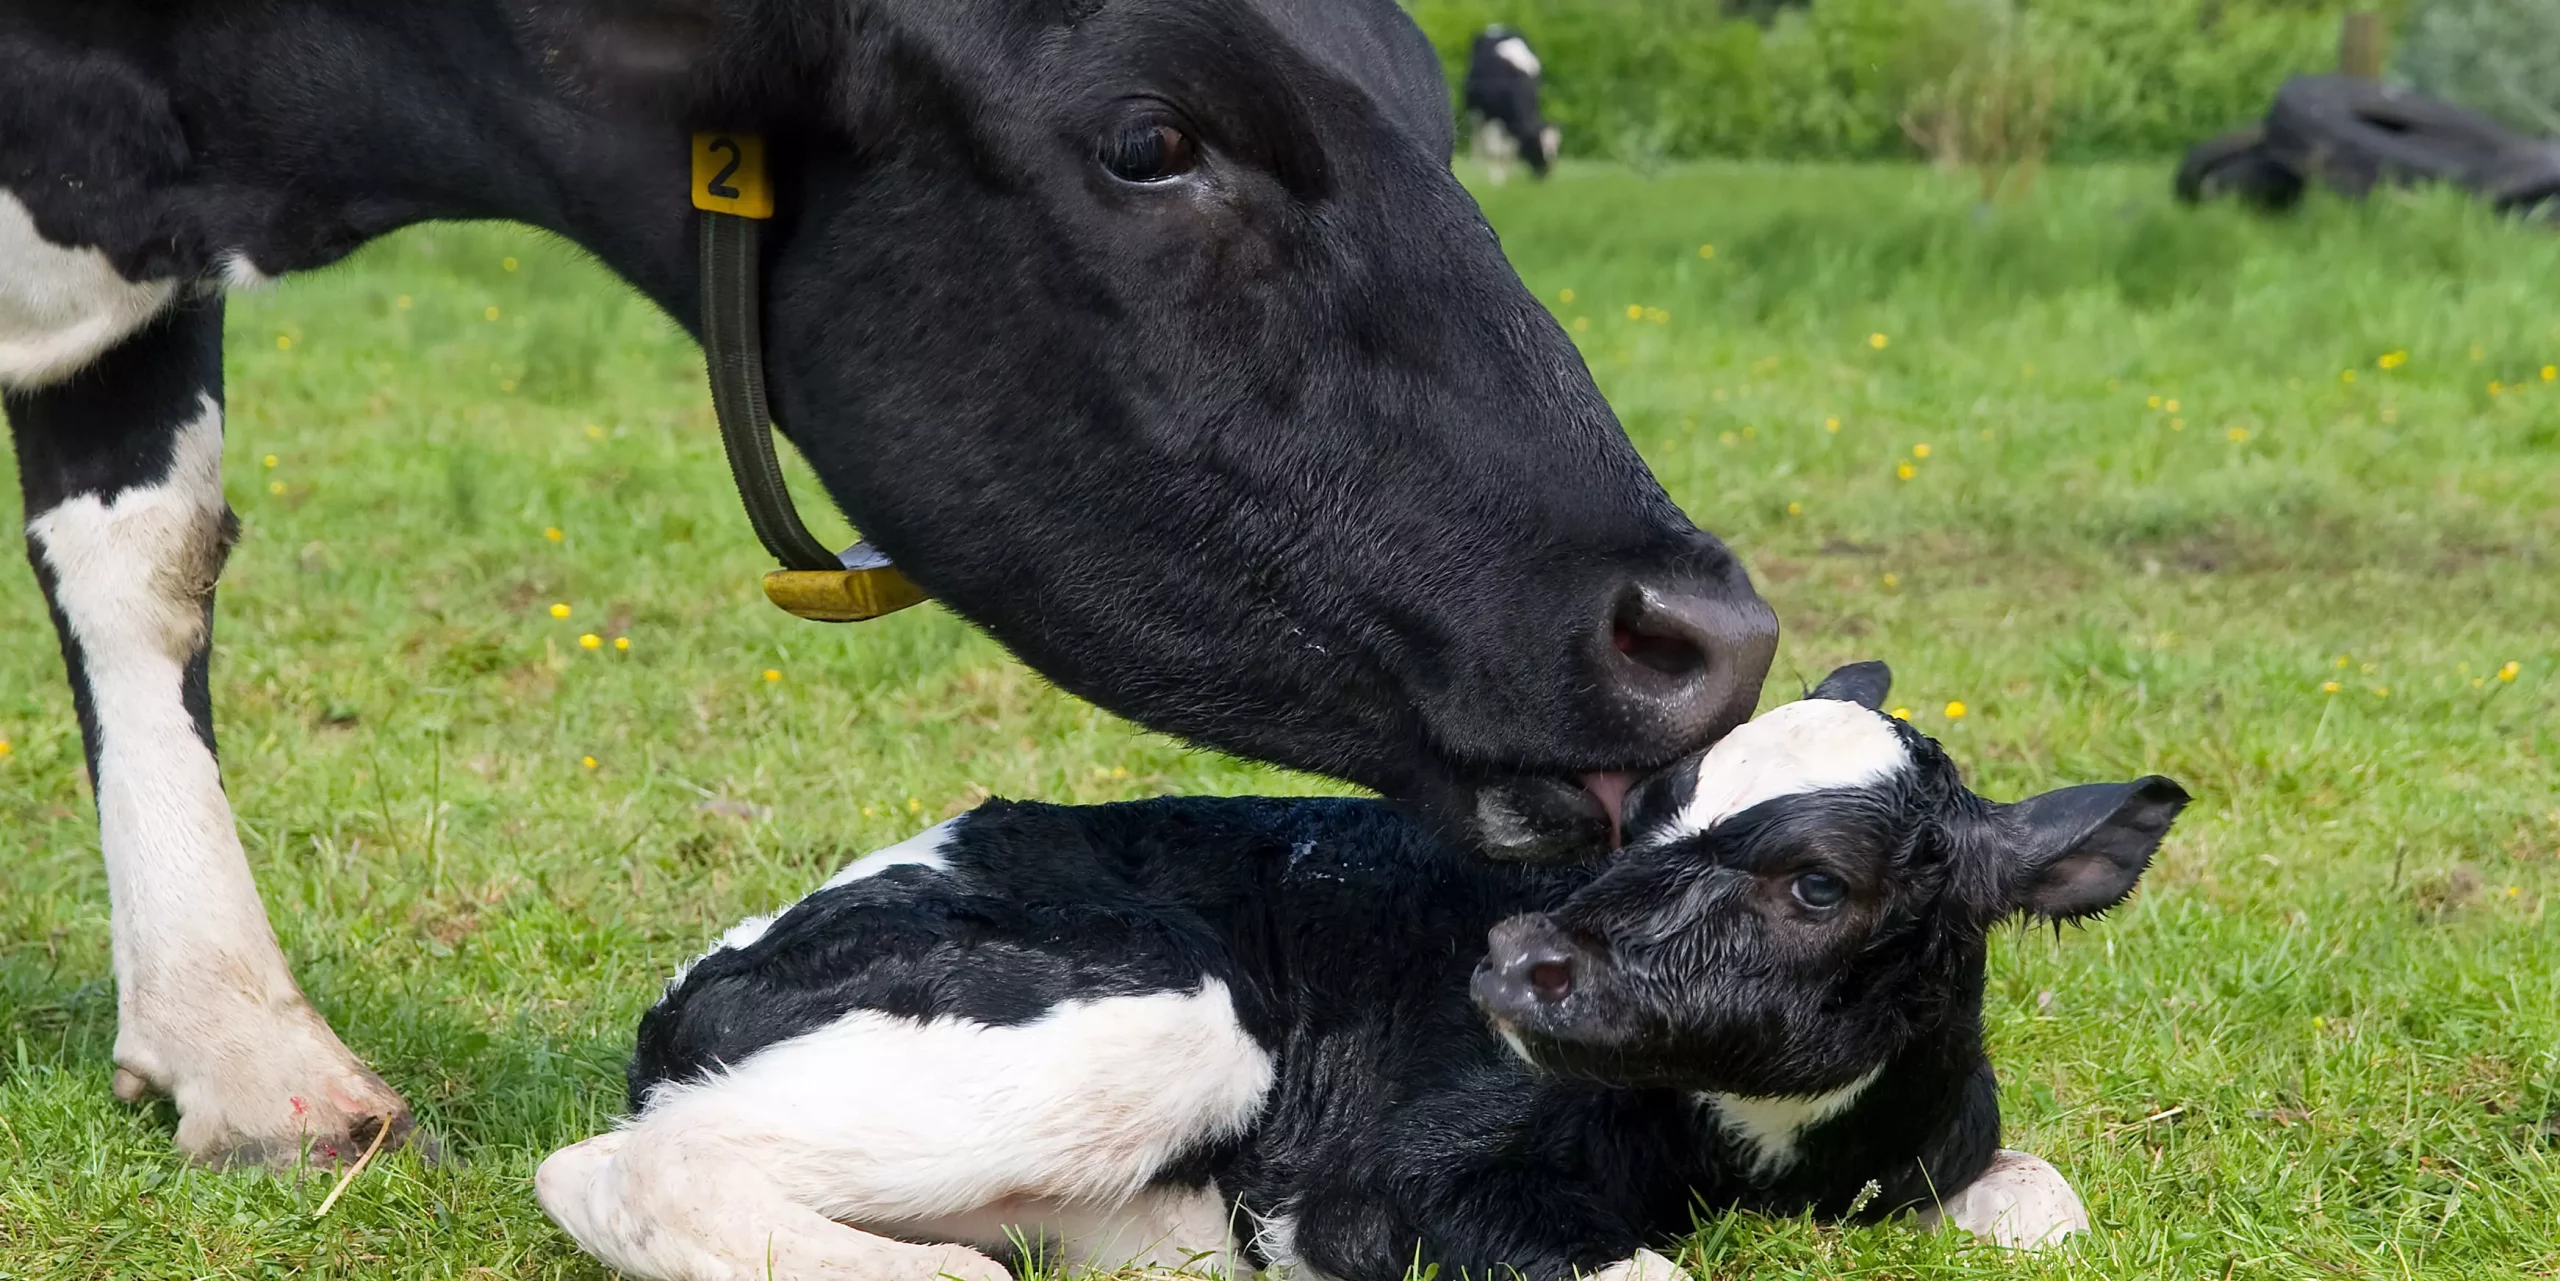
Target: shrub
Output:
{"points": [[1643, 80], [2497, 57]]}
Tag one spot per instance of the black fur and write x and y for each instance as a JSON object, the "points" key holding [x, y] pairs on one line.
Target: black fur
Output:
{"points": [[1279, 456], [1402, 1129]]}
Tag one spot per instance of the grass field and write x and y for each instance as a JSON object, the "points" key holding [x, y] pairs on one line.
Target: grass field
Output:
{"points": [[2268, 507]]}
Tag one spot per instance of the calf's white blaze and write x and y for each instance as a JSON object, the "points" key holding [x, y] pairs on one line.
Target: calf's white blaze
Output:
{"points": [[1812, 745], [924, 849], [60, 307], [1769, 1127], [902, 1127], [1515, 51]]}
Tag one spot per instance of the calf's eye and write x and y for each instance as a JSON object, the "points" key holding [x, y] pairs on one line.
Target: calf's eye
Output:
{"points": [[1148, 152], [1820, 890]]}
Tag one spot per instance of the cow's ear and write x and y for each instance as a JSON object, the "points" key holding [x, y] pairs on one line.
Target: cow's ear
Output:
{"points": [[1865, 684], [2080, 850]]}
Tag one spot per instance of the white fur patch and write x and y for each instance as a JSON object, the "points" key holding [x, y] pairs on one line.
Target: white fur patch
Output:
{"points": [[2019, 1203], [1812, 745], [1515, 51], [240, 273], [924, 849], [206, 1008], [1275, 1237], [896, 1125], [1643, 1265], [1769, 1127], [61, 308]]}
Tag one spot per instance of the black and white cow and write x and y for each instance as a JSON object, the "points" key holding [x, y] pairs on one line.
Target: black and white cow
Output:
{"points": [[1501, 93], [1152, 336], [1272, 1032]]}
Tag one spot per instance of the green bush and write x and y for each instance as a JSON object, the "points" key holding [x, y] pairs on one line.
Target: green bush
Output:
{"points": [[2501, 57], [1644, 80]]}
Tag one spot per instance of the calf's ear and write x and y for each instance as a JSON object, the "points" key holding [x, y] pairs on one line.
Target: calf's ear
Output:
{"points": [[2079, 851], [1865, 684]]}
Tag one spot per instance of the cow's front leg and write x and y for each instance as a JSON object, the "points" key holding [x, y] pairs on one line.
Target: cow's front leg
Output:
{"points": [[126, 525]]}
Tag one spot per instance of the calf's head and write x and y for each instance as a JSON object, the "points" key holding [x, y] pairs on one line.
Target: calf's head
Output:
{"points": [[1804, 905], [1156, 338]]}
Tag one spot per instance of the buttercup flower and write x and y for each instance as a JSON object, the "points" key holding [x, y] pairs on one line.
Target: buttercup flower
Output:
{"points": [[1955, 709], [591, 641], [559, 611]]}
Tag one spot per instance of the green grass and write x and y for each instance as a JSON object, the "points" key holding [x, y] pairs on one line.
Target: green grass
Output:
{"points": [[2324, 1041]]}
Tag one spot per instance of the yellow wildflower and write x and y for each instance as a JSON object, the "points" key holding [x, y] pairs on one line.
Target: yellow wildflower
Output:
{"points": [[2382, 691], [2496, 387], [1893, 580], [622, 643], [1831, 424], [1879, 341], [404, 302], [772, 674], [914, 806], [559, 610], [2177, 424], [1706, 251], [553, 533], [1565, 297], [594, 432], [1919, 451], [275, 487], [2346, 375], [269, 460], [2153, 402], [5, 749], [2551, 373], [1955, 709], [490, 314], [1795, 509], [591, 641], [2509, 672], [1902, 713], [2237, 435], [508, 263], [1582, 324], [588, 761], [2171, 404], [1635, 311], [2328, 687], [2392, 359], [1906, 471]]}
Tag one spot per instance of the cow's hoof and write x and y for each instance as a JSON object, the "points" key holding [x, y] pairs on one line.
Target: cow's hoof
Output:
{"points": [[282, 1095], [2020, 1203]]}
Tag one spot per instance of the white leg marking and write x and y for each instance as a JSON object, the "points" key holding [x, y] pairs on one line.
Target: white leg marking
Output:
{"points": [[2020, 1203], [904, 1126], [1811, 745], [1643, 1265], [1769, 1127], [240, 273], [206, 1009], [1171, 1229], [61, 308]]}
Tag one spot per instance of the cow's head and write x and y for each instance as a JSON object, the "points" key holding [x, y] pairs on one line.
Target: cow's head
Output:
{"points": [[1799, 905], [1156, 338]]}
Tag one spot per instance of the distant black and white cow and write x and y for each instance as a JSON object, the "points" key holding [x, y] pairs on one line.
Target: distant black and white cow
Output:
{"points": [[1152, 336], [1501, 93], [1271, 1031]]}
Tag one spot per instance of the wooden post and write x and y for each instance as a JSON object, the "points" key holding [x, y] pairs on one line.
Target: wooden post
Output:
{"points": [[2360, 45]]}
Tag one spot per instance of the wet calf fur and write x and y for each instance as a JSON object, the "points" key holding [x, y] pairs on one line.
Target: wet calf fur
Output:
{"points": [[1311, 1034]]}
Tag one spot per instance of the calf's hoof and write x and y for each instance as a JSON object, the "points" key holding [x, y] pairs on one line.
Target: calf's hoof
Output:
{"points": [[2019, 1203], [1643, 1265]]}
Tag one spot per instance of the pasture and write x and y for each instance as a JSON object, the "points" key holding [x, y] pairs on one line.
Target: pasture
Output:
{"points": [[2116, 487]]}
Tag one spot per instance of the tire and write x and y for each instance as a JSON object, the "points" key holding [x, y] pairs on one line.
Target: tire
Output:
{"points": [[2238, 164], [2526, 183], [2353, 135]]}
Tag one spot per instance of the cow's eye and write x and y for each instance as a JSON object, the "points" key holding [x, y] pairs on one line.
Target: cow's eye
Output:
{"points": [[1820, 890], [1149, 151]]}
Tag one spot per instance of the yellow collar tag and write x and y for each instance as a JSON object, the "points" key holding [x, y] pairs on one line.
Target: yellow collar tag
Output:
{"points": [[729, 175]]}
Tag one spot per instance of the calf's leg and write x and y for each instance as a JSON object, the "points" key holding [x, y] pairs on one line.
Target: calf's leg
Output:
{"points": [[121, 465]]}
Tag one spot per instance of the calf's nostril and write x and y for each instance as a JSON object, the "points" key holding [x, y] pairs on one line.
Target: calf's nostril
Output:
{"points": [[1552, 980]]}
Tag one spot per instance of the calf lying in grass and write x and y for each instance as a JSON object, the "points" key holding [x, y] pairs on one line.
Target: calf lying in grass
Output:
{"points": [[1269, 1031]]}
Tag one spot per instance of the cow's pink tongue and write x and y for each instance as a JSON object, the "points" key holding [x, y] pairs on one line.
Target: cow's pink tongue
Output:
{"points": [[1609, 787]]}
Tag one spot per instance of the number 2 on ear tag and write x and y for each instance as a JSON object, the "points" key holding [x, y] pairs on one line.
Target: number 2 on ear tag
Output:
{"points": [[729, 176]]}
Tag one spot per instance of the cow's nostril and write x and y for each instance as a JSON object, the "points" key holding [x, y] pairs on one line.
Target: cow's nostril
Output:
{"points": [[1551, 980], [1658, 639]]}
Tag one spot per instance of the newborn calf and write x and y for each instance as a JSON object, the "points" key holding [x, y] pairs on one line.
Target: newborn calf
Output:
{"points": [[1268, 1033]]}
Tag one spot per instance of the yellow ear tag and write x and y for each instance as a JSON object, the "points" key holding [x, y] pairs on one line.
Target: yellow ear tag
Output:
{"points": [[729, 175]]}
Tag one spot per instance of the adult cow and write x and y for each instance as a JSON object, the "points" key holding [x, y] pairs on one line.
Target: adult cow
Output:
{"points": [[1152, 336]]}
